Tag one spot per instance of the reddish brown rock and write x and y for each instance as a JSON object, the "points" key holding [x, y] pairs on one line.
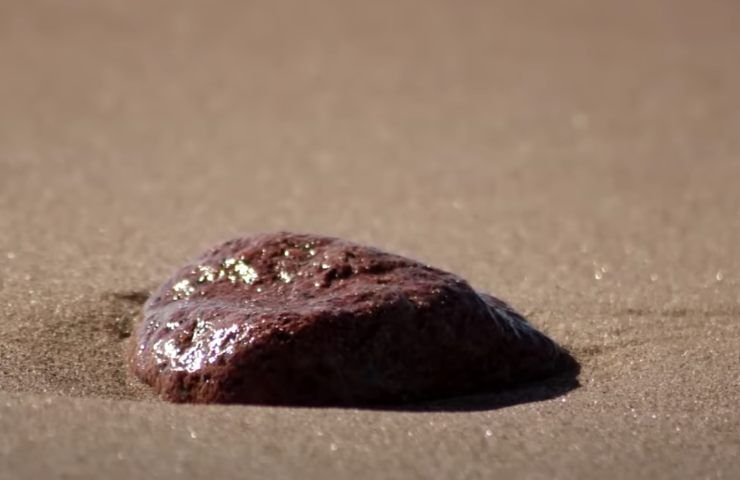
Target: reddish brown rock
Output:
{"points": [[302, 319]]}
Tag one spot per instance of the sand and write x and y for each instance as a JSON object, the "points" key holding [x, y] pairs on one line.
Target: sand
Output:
{"points": [[579, 159]]}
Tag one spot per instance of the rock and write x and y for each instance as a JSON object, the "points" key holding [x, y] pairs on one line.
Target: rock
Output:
{"points": [[308, 320]]}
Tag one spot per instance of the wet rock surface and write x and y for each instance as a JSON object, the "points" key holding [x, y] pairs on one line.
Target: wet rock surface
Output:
{"points": [[308, 320]]}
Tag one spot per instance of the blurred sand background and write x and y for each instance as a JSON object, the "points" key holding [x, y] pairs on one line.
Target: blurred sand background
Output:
{"points": [[579, 159]]}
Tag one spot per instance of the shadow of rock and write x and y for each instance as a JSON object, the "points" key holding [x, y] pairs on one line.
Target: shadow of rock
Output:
{"points": [[526, 393]]}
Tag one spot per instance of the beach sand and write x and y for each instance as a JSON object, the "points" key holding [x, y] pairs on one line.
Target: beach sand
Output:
{"points": [[580, 160]]}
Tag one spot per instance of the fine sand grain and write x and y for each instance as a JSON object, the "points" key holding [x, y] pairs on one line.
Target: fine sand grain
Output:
{"points": [[580, 160]]}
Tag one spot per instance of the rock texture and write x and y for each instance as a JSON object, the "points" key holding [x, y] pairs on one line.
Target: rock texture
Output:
{"points": [[302, 319]]}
